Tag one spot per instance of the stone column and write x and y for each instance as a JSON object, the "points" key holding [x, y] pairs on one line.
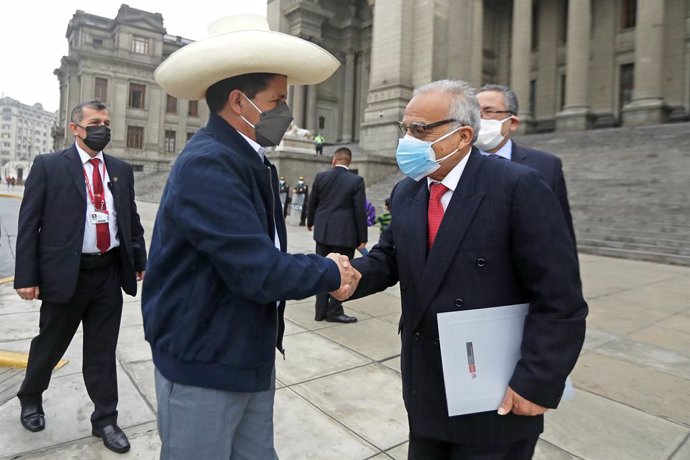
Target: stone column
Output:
{"points": [[391, 76], [477, 53], [298, 104], [348, 96], [310, 121], [647, 106], [575, 113], [520, 56]]}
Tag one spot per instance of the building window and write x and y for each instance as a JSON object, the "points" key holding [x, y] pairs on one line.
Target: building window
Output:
{"points": [[626, 85], [171, 104], [137, 95], [135, 137], [137, 168], [628, 13], [535, 26], [189, 135], [564, 23], [193, 109], [170, 140], [140, 45], [532, 96], [563, 83], [101, 92], [97, 42]]}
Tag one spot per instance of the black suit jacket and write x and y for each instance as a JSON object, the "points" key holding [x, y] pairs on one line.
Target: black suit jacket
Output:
{"points": [[51, 225], [551, 168], [337, 208], [502, 241]]}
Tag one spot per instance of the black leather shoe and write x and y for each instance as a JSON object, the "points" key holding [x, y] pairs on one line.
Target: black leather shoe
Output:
{"points": [[113, 438], [342, 319], [32, 417], [319, 318]]}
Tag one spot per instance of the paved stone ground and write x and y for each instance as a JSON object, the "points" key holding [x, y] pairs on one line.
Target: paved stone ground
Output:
{"points": [[339, 391]]}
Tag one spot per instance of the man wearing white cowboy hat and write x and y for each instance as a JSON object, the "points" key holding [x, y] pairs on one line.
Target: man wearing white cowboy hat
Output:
{"points": [[218, 274]]}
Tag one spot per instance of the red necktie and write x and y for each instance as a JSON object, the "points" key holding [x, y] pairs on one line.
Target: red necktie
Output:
{"points": [[102, 230], [435, 214]]}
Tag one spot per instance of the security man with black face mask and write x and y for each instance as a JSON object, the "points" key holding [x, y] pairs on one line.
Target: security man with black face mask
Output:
{"points": [[79, 242]]}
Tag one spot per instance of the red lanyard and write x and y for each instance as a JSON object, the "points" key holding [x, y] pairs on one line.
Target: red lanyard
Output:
{"points": [[88, 187]]}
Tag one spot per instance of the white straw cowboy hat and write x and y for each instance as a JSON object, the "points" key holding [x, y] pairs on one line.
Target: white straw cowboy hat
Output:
{"points": [[238, 45]]}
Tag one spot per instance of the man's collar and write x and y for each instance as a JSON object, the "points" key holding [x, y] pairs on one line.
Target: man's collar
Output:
{"points": [[255, 145], [85, 157], [506, 151], [341, 166], [453, 177]]}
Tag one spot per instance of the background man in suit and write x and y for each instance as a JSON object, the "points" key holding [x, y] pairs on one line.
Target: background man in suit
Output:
{"points": [[338, 216], [468, 232], [499, 109], [79, 241]]}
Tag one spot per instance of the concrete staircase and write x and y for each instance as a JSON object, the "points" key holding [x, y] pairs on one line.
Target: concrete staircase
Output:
{"points": [[629, 189]]}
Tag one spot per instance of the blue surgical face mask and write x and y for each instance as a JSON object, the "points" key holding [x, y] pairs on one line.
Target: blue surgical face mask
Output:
{"points": [[416, 158]]}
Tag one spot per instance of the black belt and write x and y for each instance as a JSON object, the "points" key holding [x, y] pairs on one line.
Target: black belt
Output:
{"points": [[97, 260]]}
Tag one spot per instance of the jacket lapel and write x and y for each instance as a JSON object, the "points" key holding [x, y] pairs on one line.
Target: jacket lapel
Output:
{"points": [[456, 221], [415, 226], [518, 155], [114, 178], [75, 169]]}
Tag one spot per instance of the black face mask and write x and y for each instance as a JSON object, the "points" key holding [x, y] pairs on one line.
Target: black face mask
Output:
{"points": [[272, 125], [97, 137]]}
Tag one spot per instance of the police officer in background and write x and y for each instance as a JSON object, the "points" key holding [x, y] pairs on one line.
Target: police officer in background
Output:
{"points": [[302, 189]]}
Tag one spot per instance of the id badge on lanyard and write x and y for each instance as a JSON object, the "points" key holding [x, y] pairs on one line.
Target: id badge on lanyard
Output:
{"points": [[100, 215]]}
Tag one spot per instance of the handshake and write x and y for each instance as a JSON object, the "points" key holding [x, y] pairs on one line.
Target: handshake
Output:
{"points": [[349, 277]]}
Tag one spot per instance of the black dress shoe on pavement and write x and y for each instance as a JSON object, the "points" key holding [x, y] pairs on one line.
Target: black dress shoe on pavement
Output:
{"points": [[342, 319], [113, 438], [32, 417], [319, 318]]}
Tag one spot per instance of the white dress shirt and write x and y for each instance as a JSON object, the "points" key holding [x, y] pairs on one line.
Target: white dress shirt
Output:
{"points": [[89, 244], [451, 180], [261, 151], [506, 151]]}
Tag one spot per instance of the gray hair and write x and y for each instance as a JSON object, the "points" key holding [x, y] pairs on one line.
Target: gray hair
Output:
{"points": [[77, 114], [509, 97], [463, 107]]}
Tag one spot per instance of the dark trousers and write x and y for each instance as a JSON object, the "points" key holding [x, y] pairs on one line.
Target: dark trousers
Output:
{"points": [[422, 448], [97, 304], [327, 306]]}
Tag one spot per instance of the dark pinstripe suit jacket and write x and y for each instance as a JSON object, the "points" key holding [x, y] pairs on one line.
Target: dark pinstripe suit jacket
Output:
{"points": [[551, 168], [502, 241]]}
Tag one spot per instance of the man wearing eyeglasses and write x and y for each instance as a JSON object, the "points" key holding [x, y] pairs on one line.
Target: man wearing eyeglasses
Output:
{"points": [[499, 109], [469, 232]]}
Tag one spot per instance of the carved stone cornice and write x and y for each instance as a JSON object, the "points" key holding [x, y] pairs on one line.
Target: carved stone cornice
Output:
{"points": [[306, 18]]}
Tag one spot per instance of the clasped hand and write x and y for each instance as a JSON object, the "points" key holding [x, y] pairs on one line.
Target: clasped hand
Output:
{"points": [[349, 277]]}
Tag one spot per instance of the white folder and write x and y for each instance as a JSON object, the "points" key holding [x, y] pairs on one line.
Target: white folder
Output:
{"points": [[479, 351]]}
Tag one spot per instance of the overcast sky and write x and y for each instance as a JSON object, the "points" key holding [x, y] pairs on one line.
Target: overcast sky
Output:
{"points": [[32, 36]]}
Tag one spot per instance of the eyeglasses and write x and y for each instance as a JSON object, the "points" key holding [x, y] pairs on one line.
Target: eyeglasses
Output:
{"points": [[488, 113], [420, 130]]}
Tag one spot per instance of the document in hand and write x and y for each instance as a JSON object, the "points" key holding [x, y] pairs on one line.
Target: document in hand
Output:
{"points": [[479, 351]]}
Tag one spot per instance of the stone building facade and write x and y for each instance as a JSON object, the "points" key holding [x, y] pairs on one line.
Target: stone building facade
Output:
{"points": [[113, 60], [25, 132], [574, 64]]}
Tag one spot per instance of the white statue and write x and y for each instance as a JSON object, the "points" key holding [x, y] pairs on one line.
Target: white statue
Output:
{"points": [[295, 131]]}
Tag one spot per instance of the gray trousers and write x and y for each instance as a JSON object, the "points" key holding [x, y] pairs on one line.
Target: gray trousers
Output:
{"points": [[208, 424]]}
